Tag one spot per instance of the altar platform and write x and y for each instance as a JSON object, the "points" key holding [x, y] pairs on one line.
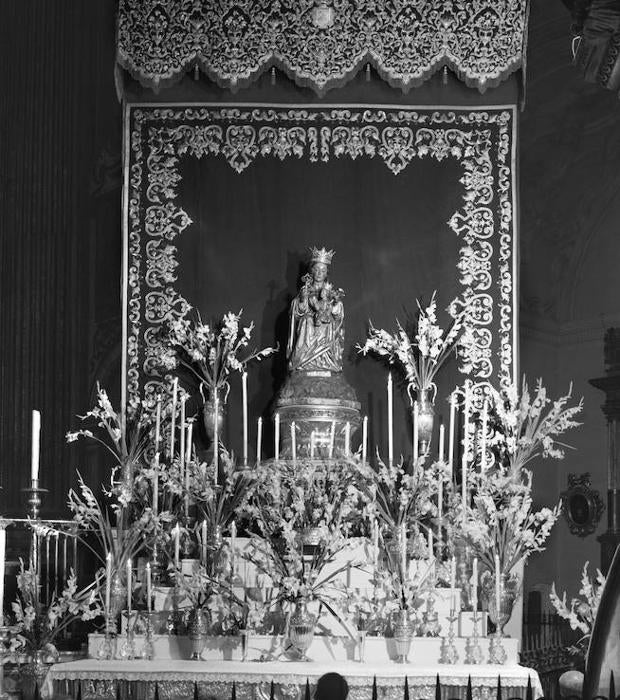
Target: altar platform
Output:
{"points": [[213, 680]]}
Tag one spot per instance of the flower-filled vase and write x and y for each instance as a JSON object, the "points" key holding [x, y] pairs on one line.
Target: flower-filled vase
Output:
{"points": [[33, 674], [426, 417], [403, 634], [500, 609], [197, 629], [214, 411], [301, 628]]}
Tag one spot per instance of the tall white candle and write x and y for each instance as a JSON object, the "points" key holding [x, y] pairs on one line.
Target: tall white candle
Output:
{"points": [[259, 440], [155, 504], [108, 579], [453, 582], [233, 546], [403, 548], [182, 437], [216, 440], [173, 415], [312, 444], [390, 400], [36, 445], [177, 545], [2, 565], [439, 513], [483, 446], [416, 411], [347, 439], [442, 439], [332, 438], [129, 587], [497, 585], [149, 588], [244, 388], [464, 490], [375, 543], [474, 585], [158, 423], [429, 543], [276, 446], [293, 443], [203, 538], [452, 428], [466, 420], [188, 460], [364, 439]]}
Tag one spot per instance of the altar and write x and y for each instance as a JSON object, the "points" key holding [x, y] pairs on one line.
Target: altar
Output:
{"points": [[177, 679]]}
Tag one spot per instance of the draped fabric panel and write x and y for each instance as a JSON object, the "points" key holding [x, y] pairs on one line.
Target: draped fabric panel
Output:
{"points": [[322, 43], [222, 202]]}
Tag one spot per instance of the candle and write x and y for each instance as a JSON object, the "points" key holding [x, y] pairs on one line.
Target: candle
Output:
{"points": [[451, 432], [129, 587], [293, 443], [332, 437], [188, 460], [216, 440], [36, 445], [65, 559], [158, 424], [483, 447], [453, 582], [277, 437], [149, 587], [173, 415], [416, 410], [429, 543], [390, 391], [403, 548], [203, 538], [464, 494], [497, 586], [442, 439], [56, 569], [108, 580], [259, 440], [2, 565], [466, 418], [244, 388], [312, 444], [156, 484], [474, 585], [347, 439], [364, 439], [182, 434], [233, 543], [439, 504], [177, 545]]}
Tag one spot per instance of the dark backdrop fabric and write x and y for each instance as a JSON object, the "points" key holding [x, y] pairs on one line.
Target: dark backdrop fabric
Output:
{"points": [[222, 203]]}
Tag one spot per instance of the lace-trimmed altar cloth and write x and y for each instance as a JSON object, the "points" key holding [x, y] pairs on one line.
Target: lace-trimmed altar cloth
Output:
{"points": [[322, 43], [253, 679]]}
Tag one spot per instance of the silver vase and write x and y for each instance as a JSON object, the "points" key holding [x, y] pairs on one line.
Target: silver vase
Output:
{"points": [[197, 628], [403, 634], [33, 674], [301, 628]]}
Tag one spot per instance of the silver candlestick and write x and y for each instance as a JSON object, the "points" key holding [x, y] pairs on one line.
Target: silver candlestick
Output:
{"points": [[449, 653]]}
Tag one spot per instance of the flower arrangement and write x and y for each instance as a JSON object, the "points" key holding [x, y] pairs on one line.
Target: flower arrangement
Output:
{"points": [[502, 522], [37, 625], [523, 427], [420, 351], [209, 352], [581, 612]]}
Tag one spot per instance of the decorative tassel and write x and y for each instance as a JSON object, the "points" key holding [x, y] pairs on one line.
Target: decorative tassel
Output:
{"points": [[234, 692], [374, 688], [272, 692], [437, 688], [468, 693], [307, 695], [406, 697], [529, 695], [499, 687]]}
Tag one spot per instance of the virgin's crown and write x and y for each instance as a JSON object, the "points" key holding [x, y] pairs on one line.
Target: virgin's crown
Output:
{"points": [[321, 255]]}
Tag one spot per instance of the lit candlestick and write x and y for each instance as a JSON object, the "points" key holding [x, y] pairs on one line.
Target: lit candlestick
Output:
{"points": [[474, 585], [259, 440], [36, 445], [156, 484], [453, 582], [390, 399], [442, 439], [203, 538], [129, 587], [347, 439], [216, 440], [149, 588], [2, 565], [293, 443], [452, 428], [332, 437], [483, 447], [244, 388], [277, 437], [416, 411], [497, 586], [108, 580], [312, 444], [158, 424], [177, 546], [182, 438], [173, 415], [364, 439], [439, 512]]}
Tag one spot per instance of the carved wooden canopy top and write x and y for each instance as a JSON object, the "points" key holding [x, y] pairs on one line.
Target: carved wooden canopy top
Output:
{"points": [[321, 43]]}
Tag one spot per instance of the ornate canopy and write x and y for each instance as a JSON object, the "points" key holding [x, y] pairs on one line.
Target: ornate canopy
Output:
{"points": [[321, 43]]}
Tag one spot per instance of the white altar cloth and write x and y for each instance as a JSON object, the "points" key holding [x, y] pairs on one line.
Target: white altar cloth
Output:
{"points": [[176, 679]]}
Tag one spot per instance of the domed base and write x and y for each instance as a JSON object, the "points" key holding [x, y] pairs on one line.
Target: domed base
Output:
{"points": [[322, 405]]}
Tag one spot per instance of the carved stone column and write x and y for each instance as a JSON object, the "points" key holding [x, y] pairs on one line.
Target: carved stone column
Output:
{"points": [[610, 384]]}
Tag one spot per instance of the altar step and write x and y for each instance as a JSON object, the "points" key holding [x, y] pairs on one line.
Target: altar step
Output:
{"points": [[424, 650]]}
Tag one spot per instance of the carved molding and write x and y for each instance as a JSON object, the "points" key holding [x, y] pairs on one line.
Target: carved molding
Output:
{"points": [[321, 43]]}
